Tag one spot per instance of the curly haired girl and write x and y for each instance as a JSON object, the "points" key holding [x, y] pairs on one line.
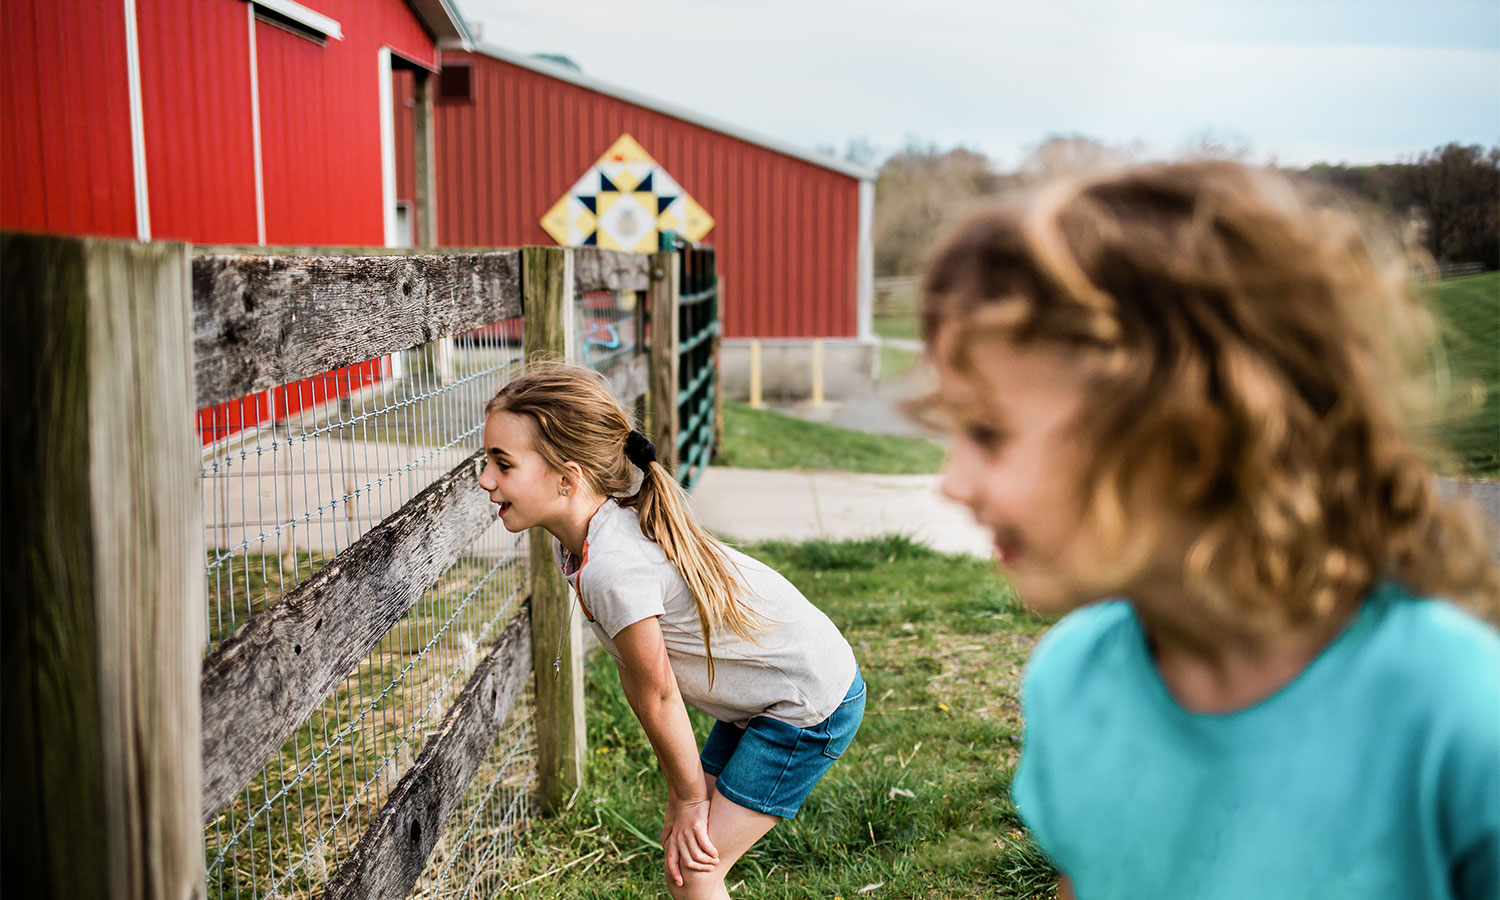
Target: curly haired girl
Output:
{"points": [[1176, 395]]}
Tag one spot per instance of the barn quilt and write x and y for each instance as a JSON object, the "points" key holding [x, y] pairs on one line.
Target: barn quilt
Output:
{"points": [[625, 201]]}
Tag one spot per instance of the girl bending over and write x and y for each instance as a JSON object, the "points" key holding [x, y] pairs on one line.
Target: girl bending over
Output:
{"points": [[686, 619]]}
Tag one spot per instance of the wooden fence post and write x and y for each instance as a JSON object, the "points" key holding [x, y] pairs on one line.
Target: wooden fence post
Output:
{"points": [[665, 339], [561, 738], [104, 614]]}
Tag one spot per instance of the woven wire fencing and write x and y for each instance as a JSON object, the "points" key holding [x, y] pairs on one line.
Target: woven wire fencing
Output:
{"points": [[613, 328], [329, 459]]}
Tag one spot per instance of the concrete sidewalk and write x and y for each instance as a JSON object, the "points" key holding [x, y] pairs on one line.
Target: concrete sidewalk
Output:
{"points": [[756, 505]]}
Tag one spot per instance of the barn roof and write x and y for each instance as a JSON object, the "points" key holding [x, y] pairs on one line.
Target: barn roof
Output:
{"points": [[442, 18], [563, 73]]}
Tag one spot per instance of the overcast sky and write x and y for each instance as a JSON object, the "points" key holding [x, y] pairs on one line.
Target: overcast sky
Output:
{"points": [[1295, 81]]}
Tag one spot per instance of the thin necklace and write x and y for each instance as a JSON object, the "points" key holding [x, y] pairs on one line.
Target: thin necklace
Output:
{"points": [[568, 622]]}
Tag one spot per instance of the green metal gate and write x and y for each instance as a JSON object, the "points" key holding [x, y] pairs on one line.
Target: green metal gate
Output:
{"points": [[698, 331]]}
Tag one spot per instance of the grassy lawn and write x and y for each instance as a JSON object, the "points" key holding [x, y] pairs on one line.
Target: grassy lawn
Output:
{"points": [[1468, 310], [917, 808], [897, 326], [895, 362], [762, 439]]}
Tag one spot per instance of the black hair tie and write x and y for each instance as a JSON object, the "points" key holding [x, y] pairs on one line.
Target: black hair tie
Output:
{"points": [[639, 450]]}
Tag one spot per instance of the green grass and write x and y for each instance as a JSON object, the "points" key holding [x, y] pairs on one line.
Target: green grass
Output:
{"points": [[897, 326], [919, 805], [762, 439], [895, 362], [1468, 310]]}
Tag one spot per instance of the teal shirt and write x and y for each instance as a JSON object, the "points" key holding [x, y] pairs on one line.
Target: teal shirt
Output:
{"points": [[1374, 774]]}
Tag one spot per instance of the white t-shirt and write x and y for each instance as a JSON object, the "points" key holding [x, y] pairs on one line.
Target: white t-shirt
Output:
{"points": [[798, 670]]}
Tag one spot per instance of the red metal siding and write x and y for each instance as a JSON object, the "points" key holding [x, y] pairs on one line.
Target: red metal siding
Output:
{"points": [[371, 24], [321, 150], [65, 157], [65, 147], [320, 122], [785, 229], [319, 141], [195, 99], [65, 151]]}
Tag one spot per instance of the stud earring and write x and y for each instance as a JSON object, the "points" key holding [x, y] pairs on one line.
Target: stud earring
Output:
{"points": [[565, 492]]}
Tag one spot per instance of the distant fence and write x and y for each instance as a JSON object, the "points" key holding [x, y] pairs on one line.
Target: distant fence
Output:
{"points": [[896, 295], [317, 612], [1459, 269]]}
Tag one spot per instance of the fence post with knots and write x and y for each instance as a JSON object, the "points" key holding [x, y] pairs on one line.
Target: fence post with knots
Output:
{"points": [[551, 332]]}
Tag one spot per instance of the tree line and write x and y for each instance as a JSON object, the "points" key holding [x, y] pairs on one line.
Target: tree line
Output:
{"points": [[1447, 200]]}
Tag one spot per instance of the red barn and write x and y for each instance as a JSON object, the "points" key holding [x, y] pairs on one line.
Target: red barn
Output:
{"points": [[214, 122], [306, 123], [792, 228]]}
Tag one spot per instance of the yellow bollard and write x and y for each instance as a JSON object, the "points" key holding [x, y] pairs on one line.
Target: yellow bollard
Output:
{"points": [[817, 372], [755, 400]]}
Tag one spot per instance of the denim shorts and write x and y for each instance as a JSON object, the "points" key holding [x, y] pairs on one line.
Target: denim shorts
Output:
{"points": [[770, 766]]}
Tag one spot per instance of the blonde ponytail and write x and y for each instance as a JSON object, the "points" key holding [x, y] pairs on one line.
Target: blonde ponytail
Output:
{"points": [[666, 520]]}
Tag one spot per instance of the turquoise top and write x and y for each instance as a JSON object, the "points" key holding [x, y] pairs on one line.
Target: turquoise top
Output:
{"points": [[1374, 774]]}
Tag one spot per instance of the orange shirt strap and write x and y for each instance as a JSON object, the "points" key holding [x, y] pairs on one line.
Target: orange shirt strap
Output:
{"points": [[584, 606]]}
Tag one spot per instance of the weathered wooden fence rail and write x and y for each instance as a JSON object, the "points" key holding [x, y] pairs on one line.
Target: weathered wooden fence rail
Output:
{"points": [[262, 321], [105, 735], [258, 686], [390, 856]]}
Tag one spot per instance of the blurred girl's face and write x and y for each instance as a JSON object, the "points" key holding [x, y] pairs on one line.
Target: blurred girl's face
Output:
{"points": [[1017, 462], [518, 480]]}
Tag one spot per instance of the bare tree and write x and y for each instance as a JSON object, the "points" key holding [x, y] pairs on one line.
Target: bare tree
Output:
{"points": [[1076, 154], [919, 190]]}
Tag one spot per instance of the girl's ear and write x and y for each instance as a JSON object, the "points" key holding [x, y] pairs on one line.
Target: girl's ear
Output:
{"points": [[1197, 456], [572, 478]]}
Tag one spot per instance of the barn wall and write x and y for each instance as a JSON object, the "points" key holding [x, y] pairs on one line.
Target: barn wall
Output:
{"points": [[786, 229]]}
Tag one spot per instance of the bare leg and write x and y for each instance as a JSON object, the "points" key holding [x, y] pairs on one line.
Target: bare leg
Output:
{"points": [[733, 829]]}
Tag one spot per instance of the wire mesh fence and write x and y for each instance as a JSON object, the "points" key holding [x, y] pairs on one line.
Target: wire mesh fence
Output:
{"points": [[612, 328], [330, 459], [364, 718], [485, 830]]}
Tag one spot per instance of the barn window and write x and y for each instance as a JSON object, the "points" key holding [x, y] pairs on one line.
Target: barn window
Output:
{"points": [[298, 19], [456, 84]]}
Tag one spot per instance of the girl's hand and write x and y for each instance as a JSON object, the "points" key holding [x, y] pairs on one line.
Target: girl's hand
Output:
{"points": [[684, 837]]}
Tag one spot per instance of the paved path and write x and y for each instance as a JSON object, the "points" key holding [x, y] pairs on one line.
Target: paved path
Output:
{"points": [[755, 505]]}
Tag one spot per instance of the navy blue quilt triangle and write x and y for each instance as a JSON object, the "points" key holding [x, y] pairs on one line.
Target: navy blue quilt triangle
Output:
{"points": [[645, 185], [592, 240], [590, 202], [662, 203], [606, 185]]}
